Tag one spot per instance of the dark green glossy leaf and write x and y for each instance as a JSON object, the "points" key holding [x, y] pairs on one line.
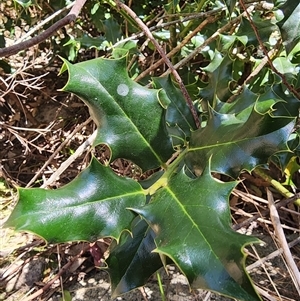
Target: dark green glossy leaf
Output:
{"points": [[91, 42], [284, 66], [227, 41], [230, 5], [112, 30], [290, 25], [132, 262], [2, 41], [123, 49], [5, 66], [282, 159], [266, 101], [24, 3], [191, 219], [219, 73], [129, 117], [265, 28], [91, 206], [237, 142], [178, 116], [289, 106], [244, 101], [281, 103]]}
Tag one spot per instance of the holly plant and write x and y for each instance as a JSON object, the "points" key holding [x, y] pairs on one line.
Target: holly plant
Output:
{"points": [[180, 214]]}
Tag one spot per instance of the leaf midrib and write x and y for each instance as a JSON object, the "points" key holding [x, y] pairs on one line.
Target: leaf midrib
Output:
{"points": [[126, 115], [194, 225]]}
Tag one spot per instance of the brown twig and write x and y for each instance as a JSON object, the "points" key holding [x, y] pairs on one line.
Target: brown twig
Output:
{"points": [[57, 276], [148, 33], [282, 240], [178, 47], [261, 65], [261, 44], [70, 17], [209, 40], [61, 146], [79, 151], [278, 205], [272, 255], [166, 24]]}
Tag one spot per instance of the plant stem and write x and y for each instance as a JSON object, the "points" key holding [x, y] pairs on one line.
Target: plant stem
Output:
{"points": [[70, 17], [148, 33], [163, 180], [255, 30], [278, 186], [162, 293], [187, 28], [200, 5], [172, 53], [172, 29]]}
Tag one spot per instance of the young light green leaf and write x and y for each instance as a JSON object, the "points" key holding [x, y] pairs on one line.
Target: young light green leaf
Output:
{"points": [[129, 117], [238, 142], [191, 219], [93, 205]]}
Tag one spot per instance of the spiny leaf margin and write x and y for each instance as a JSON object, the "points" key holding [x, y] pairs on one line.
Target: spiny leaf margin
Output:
{"points": [[195, 233], [130, 117], [92, 206]]}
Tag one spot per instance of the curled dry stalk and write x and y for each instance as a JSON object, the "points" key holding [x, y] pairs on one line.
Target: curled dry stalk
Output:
{"points": [[61, 146], [24, 80], [79, 151]]}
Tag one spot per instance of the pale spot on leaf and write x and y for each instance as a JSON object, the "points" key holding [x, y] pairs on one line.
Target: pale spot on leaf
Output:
{"points": [[122, 90]]}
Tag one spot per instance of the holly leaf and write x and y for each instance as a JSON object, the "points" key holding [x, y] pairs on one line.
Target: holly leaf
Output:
{"points": [[238, 142], [279, 101], [191, 219], [132, 262], [178, 116], [244, 101], [290, 25], [24, 3], [219, 73], [129, 116], [91, 206], [266, 28], [230, 5]]}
